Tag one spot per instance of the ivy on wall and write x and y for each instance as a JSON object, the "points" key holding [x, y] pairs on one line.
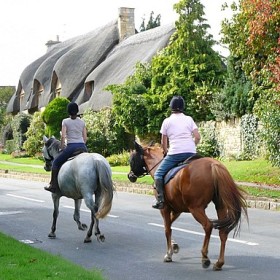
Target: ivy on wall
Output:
{"points": [[249, 136], [247, 139], [20, 124], [209, 146]]}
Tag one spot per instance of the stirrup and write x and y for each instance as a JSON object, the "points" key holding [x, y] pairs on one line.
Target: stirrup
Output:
{"points": [[158, 205]]}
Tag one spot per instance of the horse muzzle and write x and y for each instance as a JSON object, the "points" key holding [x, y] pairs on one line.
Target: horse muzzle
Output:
{"points": [[48, 166], [131, 177]]}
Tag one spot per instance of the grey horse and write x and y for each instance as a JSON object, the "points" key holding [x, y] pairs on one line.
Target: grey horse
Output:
{"points": [[79, 178]]}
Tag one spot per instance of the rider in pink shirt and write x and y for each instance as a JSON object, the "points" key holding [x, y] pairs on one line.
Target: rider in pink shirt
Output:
{"points": [[179, 137]]}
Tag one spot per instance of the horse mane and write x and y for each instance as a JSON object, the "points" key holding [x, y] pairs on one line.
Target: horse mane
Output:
{"points": [[156, 149], [152, 146], [53, 143]]}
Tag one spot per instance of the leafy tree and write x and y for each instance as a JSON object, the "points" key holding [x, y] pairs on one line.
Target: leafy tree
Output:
{"points": [[253, 37], [5, 95], [235, 99], [105, 136], [152, 23], [129, 101], [53, 115], [188, 66]]}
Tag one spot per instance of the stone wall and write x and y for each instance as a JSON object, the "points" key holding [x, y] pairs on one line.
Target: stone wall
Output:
{"points": [[229, 138]]}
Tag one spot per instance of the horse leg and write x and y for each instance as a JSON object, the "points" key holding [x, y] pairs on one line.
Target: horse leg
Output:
{"points": [[94, 221], [223, 238], [89, 233], [100, 237], [200, 216], [166, 215], [175, 245], [76, 215], [55, 199]]}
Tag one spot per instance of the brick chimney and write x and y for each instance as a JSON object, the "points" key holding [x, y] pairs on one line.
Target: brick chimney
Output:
{"points": [[126, 22]]}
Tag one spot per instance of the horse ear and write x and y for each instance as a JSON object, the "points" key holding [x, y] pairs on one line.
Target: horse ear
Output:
{"points": [[45, 139], [151, 144], [137, 146]]}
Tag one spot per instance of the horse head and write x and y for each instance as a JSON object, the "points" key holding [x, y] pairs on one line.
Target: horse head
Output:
{"points": [[50, 150], [137, 163]]}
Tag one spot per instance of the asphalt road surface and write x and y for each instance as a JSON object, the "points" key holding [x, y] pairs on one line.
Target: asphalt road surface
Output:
{"points": [[135, 242]]}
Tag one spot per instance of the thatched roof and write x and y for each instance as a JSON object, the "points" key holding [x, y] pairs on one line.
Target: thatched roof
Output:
{"points": [[95, 57], [121, 62]]}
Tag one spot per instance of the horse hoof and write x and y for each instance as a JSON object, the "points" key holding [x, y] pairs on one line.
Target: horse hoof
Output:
{"points": [[83, 227], [167, 259], [101, 238], [176, 248], [216, 268], [206, 263], [52, 235], [87, 240]]}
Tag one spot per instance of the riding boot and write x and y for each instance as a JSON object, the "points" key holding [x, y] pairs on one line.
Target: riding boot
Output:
{"points": [[53, 186], [159, 184]]}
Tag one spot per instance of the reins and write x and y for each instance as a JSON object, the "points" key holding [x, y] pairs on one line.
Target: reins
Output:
{"points": [[148, 171], [48, 152], [146, 167]]}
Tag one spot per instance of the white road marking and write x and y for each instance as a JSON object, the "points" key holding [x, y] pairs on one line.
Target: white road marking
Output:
{"points": [[10, 212], [88, 211], [25, 198], [202, 234]]}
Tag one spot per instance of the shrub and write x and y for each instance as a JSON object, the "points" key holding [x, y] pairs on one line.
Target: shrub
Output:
{"points": [[34, 143], [53, 115], [119, 159], [10, 146], [208, 146], [20, 124], [250, 138], [104, 135]]}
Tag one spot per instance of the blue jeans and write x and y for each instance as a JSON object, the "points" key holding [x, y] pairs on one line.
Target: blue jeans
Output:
{"points": [[67, 153], [169, 162]]}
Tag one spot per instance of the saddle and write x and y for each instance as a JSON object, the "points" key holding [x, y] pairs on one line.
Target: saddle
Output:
{"points": [[173, 171], [76, 153]]}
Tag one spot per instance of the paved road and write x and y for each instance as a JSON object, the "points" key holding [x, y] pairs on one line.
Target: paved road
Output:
{"points": [[135, 242]]}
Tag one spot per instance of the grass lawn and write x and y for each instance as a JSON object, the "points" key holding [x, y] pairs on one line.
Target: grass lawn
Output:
{"points": [[21, 261], [255, 171]]}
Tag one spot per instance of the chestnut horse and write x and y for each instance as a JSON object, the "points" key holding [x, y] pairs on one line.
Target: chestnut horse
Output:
{"points": [[198, 183]]}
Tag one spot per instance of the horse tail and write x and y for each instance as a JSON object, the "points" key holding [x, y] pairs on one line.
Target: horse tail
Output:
{"points": [[106, 188], [228, 195]]}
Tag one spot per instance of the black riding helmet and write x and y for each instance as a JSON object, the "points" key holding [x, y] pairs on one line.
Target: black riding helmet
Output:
{"points": [[177, 104], [72, 109]]}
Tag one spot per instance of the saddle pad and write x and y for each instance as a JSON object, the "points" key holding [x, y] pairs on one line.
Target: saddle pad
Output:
{"points": [[172, 172]]}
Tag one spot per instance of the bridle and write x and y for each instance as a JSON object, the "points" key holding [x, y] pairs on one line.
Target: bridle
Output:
{"points": [[149, 171], [144, 168], [48, 146]]}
